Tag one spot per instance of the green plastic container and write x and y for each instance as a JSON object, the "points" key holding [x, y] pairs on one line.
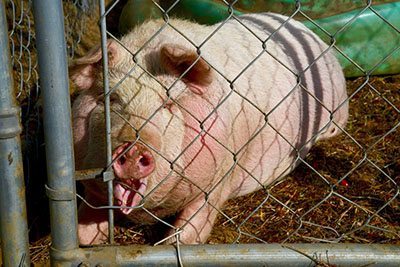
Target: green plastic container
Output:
{"points": [[366, 40]]}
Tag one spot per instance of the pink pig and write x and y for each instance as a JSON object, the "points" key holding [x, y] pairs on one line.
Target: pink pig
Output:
{"points": [[202, 114]]}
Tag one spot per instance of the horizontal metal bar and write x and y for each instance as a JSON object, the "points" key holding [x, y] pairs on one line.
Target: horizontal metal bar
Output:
{"points": [[88, 174], [96, 173], [236, 255]]}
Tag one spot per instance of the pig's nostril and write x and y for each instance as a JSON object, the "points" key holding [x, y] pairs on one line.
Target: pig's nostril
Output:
{"points": [[122, 160], [144, 161]]}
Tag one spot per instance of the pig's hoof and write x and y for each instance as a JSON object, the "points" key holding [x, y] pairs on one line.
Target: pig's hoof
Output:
{"points": [[173, 237], [170, 239], [181, 237]]}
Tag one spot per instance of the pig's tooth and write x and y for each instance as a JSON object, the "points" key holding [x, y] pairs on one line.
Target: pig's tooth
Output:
{"points": [[126, 211], [121, 194], [128, 198], [132, 198]]}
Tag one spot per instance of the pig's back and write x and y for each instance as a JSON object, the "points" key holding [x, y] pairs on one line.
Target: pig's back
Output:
{"points": [[276, 54], [289, 94]]}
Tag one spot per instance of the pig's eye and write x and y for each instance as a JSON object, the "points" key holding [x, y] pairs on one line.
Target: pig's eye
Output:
{"points": [[114, 98], [168, 106]]}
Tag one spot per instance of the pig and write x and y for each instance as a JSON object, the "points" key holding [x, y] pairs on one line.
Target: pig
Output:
{"points": [[201, 114]]}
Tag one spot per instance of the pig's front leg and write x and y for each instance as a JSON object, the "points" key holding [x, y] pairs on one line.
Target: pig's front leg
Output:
{"points": [[195, 221], [93, 225]]}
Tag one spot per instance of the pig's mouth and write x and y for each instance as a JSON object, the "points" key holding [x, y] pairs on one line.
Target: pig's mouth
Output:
{"points": [[132, 165], [129, 193]]}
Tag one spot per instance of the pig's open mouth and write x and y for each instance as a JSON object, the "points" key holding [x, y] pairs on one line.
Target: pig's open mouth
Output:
{"points": [[132, 165], [129, 193]]}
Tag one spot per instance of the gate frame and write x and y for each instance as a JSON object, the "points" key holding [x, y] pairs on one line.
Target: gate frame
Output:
{"points": [[13, 216]]}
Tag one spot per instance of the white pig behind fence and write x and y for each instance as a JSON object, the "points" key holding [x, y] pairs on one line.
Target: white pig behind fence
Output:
{"points": [[239, 119]]}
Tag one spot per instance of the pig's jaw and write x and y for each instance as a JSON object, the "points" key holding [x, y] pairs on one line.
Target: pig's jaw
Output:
{"points": [[129, 193]]}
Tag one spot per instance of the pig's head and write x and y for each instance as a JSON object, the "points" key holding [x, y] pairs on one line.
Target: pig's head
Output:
{"points": [[147, 121]]}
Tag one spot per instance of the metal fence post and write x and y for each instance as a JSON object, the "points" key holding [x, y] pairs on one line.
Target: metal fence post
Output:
{"points": [[52, 58], [13, 219]]}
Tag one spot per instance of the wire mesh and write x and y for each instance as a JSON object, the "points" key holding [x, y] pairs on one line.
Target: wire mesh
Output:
{"points": [[345, 190]]}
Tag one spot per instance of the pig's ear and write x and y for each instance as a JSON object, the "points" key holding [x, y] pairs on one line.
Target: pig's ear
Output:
{"points": [[83, 71], [176, 60]]}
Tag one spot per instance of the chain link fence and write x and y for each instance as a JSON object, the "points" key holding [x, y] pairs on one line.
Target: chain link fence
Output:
{"points": [[345, 190]]}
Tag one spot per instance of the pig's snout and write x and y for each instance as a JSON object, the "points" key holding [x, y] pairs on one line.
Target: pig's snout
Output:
{"points": [[135, 163], [131, 167]]}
